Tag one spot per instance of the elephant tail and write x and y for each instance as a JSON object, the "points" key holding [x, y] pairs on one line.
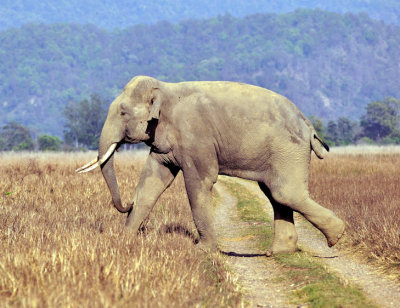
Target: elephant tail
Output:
{"points": [[316, 145]]}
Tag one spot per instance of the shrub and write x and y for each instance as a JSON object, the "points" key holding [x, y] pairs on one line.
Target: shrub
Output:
{"points": [[49, 143], [365, 140]]}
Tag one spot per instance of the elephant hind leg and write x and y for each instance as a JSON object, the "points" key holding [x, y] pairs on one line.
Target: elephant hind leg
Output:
{"points": [[285, 235], [325, 220], [291, 190]]}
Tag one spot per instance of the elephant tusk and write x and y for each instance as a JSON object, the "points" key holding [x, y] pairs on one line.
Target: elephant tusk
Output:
{"points": [[87, 165], [97, 162], [109, 152], [90, 168]]}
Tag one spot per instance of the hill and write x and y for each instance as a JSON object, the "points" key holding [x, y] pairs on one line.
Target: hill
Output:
{"points": [[329, 64], [120, 14]]}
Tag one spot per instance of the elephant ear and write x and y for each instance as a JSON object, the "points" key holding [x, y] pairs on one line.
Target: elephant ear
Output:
{"points": [[156, 105]]}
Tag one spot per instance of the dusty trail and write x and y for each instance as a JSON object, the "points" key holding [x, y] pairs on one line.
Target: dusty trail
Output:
{"points": [[385, 292], [254, 271]]}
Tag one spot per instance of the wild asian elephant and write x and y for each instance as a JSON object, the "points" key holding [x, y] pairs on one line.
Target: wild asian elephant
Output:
{"points": [[207, 128]]}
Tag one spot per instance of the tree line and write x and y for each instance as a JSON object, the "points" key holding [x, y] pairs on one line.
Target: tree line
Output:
{"points": [[17, 137], [380, 124], [329, 64], [117, 14], [84, 121]]}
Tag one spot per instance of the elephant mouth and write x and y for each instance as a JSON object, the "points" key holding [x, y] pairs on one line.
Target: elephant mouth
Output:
{"points": [[99, 161], [127, 139]]}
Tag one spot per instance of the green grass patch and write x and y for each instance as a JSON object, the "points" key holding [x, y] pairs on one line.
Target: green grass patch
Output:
{"points": [[250, 207], [313, 284], [317, 286]]}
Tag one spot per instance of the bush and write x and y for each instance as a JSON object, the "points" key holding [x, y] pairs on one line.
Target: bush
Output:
{"points": [[24, 146], [49, 143], [390, 140], [365, 141]]}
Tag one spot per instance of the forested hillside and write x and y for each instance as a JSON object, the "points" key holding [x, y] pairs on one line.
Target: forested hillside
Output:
{"points": [[111, 14], [329, 64]]}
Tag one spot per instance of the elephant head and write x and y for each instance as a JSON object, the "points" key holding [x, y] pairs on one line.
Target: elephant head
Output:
{"points": [[131, 118]]}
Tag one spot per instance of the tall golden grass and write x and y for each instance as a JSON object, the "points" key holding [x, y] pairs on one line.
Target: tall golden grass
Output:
{"points": [[364, 190], [63, 244]]}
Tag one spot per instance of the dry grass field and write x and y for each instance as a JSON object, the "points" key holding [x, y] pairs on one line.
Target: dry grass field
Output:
{"points": [[62, 243], [364, 190]]}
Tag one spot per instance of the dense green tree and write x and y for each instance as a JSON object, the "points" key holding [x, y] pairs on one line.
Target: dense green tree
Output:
{"points": [[318, 126], [381, 119], [49, 143], [16, 137], [332, 133], [85, 120], [346, 131], [341, 132]]}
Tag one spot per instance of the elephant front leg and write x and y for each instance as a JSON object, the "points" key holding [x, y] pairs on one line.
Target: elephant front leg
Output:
{"points": [[199, 192], [154, 179]]}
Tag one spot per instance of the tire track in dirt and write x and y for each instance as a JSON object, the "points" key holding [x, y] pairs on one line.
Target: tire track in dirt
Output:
{"points": [[382, 290], [253, 270]]}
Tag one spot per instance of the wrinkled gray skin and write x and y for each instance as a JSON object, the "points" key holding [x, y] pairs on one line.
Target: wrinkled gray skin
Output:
{"points": [[211, 128]]}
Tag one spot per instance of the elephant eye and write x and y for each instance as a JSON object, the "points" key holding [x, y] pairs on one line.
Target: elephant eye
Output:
{"points": [[123, 113]]}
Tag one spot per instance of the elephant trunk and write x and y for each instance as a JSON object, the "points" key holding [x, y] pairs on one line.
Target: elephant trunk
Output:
{"points": [[107, 169]]}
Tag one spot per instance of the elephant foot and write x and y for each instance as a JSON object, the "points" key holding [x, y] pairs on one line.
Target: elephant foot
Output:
{"points": [[271, 252], [285, 239], [334, 232], [207, 246], [277, 248]]}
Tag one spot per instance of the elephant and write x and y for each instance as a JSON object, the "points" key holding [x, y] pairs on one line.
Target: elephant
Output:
{"points": [[211, 128]]}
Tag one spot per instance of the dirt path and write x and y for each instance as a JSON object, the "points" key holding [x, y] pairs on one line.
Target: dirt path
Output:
{"points": [[384, 292], [254, 271]]}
